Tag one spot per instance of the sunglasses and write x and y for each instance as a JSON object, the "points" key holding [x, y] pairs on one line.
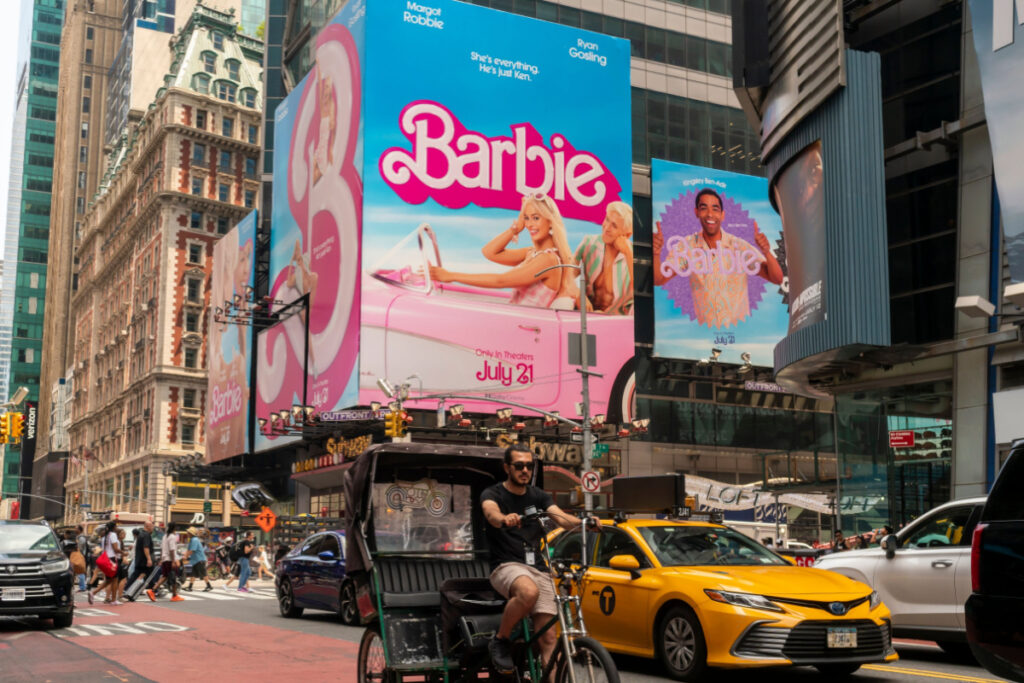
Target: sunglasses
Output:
{"points": [[520, 466]]}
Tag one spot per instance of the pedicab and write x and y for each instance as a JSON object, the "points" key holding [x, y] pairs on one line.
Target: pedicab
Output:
{"points": [[417, 551]]}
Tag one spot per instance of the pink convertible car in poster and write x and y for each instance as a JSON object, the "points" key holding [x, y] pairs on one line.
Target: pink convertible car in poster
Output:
{"points": [[416, 330]]}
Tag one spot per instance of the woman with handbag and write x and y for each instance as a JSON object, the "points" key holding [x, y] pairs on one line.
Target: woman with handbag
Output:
{"points": [[107, 562]]}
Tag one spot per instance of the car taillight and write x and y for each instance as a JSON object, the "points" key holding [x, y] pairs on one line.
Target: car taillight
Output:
{"points": [[976, 558]]}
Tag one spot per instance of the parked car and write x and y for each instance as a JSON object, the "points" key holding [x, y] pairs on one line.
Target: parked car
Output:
{"points": [[35, 575], [995, 608], [923, 573], [698, 595], [312, 576]]}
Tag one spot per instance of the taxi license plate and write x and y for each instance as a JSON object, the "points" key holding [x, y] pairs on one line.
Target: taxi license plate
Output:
{"points": [[13, 595], [842, 636]]}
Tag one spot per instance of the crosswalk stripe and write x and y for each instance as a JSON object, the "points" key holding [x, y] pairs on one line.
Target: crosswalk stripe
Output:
{"points": [[210, 595]]}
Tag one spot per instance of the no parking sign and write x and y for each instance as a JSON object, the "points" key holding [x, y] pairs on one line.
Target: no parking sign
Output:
{"points": [[591, 482]]}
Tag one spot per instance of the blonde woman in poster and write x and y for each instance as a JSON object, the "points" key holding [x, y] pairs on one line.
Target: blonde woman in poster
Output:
{"points": [[608, 261], [539, 216]]}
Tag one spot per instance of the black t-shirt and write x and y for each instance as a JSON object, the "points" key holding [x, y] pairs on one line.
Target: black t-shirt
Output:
{"points": [[143, 541], [510, 544]]}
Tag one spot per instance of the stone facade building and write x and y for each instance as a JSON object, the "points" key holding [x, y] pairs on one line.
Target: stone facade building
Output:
{"points": [[175, 183]]}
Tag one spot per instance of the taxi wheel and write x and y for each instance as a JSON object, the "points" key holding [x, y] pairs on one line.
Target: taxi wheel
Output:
{"points": [[680, 644]]}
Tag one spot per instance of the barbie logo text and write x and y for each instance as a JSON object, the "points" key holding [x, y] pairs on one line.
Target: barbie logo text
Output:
{"points": [[226, 404], [456, 166]]}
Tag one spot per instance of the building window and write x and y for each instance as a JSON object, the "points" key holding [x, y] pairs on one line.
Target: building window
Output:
{"points": [[224, 192], [88, 33], [209, 63], [218, 40], [85, 129], [248, 98], [222, 225], [80, 204], [225, 159], [195, 253], [188, 432], [193, 287], [226, 91], [191, 322], [85, 105], [250, 167], [199, 153], [201, 84], [250, 198], [191, 357], [201, 119], [81, 180], [195, 221], [189, 398], [87, 83], [83, 154], [253, 133], [232, 65], [197, 186], [227, 127], [88, 56]]}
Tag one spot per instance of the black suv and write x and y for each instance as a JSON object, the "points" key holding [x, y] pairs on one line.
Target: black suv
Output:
{"points": [[995, 610], [35, 575]]}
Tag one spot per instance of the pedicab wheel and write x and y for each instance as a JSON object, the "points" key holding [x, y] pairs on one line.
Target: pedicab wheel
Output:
{"points": [[373, 667], [348, 610], [680, 643], [591, 664], [837, 670], [286, 600]]}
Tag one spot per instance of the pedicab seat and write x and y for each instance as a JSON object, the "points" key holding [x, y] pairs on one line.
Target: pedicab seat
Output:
{"points": [[416, 582]]}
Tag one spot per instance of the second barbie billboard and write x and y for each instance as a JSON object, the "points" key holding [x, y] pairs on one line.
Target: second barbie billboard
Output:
{"points": [[488, 148]]}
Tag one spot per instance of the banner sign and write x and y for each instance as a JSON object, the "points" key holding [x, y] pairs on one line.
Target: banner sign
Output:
{"points": [[418, 223], [999, 43], [719, 265], [230, 345], [901, 438]]}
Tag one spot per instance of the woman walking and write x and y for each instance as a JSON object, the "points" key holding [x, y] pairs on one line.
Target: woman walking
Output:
{"points": [[107, 563]]}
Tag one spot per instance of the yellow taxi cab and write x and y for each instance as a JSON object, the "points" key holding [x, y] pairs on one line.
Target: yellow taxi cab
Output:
{"points": [[698, 595]]}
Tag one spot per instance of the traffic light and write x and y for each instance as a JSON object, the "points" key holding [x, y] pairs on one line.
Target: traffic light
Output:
{"points": [[391, 424], [402, 420], [16, 426], [5, 427]]}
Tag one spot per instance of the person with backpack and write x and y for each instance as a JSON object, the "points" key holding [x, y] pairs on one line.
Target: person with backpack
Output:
{"points": [[242, 550], [234, 554]]}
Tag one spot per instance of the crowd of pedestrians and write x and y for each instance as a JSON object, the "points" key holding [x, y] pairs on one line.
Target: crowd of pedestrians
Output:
{"points": [[105, 565]]}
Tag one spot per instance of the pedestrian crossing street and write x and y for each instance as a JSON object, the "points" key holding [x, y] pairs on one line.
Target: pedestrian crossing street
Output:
{"points": [[218, 594]]}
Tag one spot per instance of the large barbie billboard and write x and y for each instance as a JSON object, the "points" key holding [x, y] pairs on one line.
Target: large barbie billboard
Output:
{"points": [[719, 265], [489, 148], [227, 396]]}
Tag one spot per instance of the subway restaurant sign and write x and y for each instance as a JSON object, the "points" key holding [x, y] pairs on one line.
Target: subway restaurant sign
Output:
{"points": [[547, 451], [338, 451]]}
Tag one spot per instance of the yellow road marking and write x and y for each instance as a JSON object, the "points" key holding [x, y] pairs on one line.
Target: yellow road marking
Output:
{"points": [[930, 674]]}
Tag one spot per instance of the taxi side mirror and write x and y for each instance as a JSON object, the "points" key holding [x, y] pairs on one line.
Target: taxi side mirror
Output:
{"points": [[626, 563], [888, 544]]}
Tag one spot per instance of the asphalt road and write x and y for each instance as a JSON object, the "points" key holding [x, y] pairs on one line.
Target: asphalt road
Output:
{"points": [[229, 636]]}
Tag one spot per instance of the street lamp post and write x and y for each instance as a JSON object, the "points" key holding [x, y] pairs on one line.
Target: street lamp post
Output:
{"points": [[584, 370]]}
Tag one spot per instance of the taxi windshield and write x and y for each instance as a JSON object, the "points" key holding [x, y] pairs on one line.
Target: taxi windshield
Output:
{"points": [[692, 546]]}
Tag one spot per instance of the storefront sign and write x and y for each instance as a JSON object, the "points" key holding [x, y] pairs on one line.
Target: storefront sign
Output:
{"points": [[338, 451], [349, 415], [901, 438], [548, 452], [720, 269]]}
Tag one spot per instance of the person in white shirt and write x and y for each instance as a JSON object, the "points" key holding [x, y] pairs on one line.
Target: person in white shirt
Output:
{"points": [[111, 548], [168, 565]]}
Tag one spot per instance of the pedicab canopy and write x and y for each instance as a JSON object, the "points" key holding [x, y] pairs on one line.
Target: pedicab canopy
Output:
{"points": [[419, 499]]}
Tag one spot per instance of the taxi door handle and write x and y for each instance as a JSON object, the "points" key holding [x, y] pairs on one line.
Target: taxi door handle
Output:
{"points": [[942, 564]]}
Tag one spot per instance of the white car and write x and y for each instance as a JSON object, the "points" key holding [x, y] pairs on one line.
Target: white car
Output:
{"points": [[923, 573]]}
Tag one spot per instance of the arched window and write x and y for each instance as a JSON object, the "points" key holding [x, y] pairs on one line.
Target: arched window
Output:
{"points": [[247, 97], [226, 91], [232, 65], [209, 61], [201, 83]]}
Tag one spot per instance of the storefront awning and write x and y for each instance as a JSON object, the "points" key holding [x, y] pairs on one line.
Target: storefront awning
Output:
{"points": [[324, 477]]}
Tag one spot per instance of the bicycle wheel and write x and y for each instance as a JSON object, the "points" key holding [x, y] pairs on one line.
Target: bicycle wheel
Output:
{"points": [[372, 667], [591, 664]]}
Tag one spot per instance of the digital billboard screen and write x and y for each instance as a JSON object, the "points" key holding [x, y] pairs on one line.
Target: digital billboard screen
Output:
{"points": [[230, 344], [719, 265], [419, 223]]}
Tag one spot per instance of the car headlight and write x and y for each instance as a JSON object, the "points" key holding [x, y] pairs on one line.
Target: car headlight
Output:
{"points": [[743, 600], [874, 601], [56, 566]]}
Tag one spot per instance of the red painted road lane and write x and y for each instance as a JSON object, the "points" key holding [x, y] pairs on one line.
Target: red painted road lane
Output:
{"points": [[36, 656], [210, 646]]}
